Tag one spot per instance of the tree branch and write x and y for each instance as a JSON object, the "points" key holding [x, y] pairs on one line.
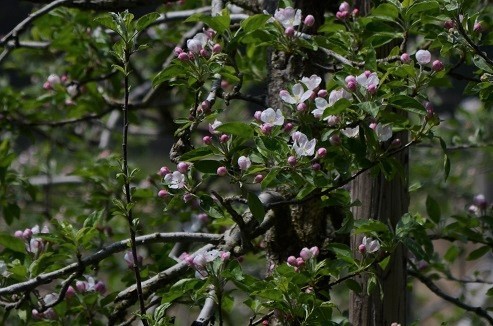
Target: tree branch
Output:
{"points": [[456, 301], [113, 248]]}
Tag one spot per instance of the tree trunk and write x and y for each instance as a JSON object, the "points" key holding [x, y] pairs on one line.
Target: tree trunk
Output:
{"points": [[385, 201]]}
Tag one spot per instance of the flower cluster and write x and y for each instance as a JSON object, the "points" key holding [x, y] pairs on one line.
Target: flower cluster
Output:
{"points": [[201, 261], [305, 256], [479, 205], [200, 45], [423, 57], [344, 11], [90, 285], [34, 244], [369, 245]]}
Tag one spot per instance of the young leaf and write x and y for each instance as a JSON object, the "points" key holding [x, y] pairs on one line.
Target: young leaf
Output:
{"points": [[433, 209]]}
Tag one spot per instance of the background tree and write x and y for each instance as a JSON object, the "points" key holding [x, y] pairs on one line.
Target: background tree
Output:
{"points": [[288, 127]]}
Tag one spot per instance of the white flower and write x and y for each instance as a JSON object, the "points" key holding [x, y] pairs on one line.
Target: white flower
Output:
{"points": [[288, 17], [351, 132], [423, 57], [244, 162], [72, 90], [213, 126], [371, 245], [274, 118], [175, 180], [334, 96], [299, 95], [312, 82], [210, 256], [384, 132], [368, 79], [302, 146], [197, 43]]}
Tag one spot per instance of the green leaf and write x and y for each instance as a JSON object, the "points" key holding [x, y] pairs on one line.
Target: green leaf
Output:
{"points": [[478, 253], [219, 23], [353, 285], [338, 107], [207, 166], [256, 206], [482, 64], [107, 21], [451, 253], [255, 22], [173, 71], [305, 191], [370, 107], [433, 209], [236, 128], [11, 211], [270, 177], [12, 243], [421, 6], [144, 21], [196, 154], [387, 10], [407, 103]]}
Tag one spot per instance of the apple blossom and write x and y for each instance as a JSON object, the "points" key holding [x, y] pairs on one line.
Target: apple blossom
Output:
{"points": [[321, 152], [162, 193], [423, 57], [288, 17], [175, 180], [292, 261], [350, 132], [332, 120], [371, 245], [274, 118], [299, 94], [224, 138], [405, 58], [289, 31], [213, 126], [207, 140], [197, 43], [311, 82], [306, 254], [302, 146], [222, 171], [322, 93], [182, 167], [163, 171], [384, 132], [369, 81]]}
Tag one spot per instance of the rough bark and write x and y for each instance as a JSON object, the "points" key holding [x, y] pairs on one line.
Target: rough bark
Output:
{"points": [[303, 225]]}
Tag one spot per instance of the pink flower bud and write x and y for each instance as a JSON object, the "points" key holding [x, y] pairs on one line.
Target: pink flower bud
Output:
{"points": [[344, 6], [405, 58], [350, 78], [258, 178], [437, 65], [306, 254], [203, 53], [225, 256], [203, 217], [207, 140], [395, 143], [164, 171], [224, 84], [70, 292], [50, 314], [372, 89], [449, 24], [177, 50], [222, 171], [309, 20], [322, 93], [53, 79], [321, 152], [289, 31], [162, 193], [266, 128], [183, 56], [301, 107], [316, 166], [355, 12], [206, 105], [332, 120], [362, 248], [480, 201], [36, 314], [27, 233], [288, 127], [19, 234], [335, 140], [284, 93], [292, 261], [315, 251], [351, 86], [187, 197], [100, 287], [191, 55], [478, 28], [257, 115], [265, 323], [373, 125], [224, 138], [81, 286], [292, 161], [244, 163], [367, 73], [300, 262], [47, 86], [217, 48], [182, 167]]}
